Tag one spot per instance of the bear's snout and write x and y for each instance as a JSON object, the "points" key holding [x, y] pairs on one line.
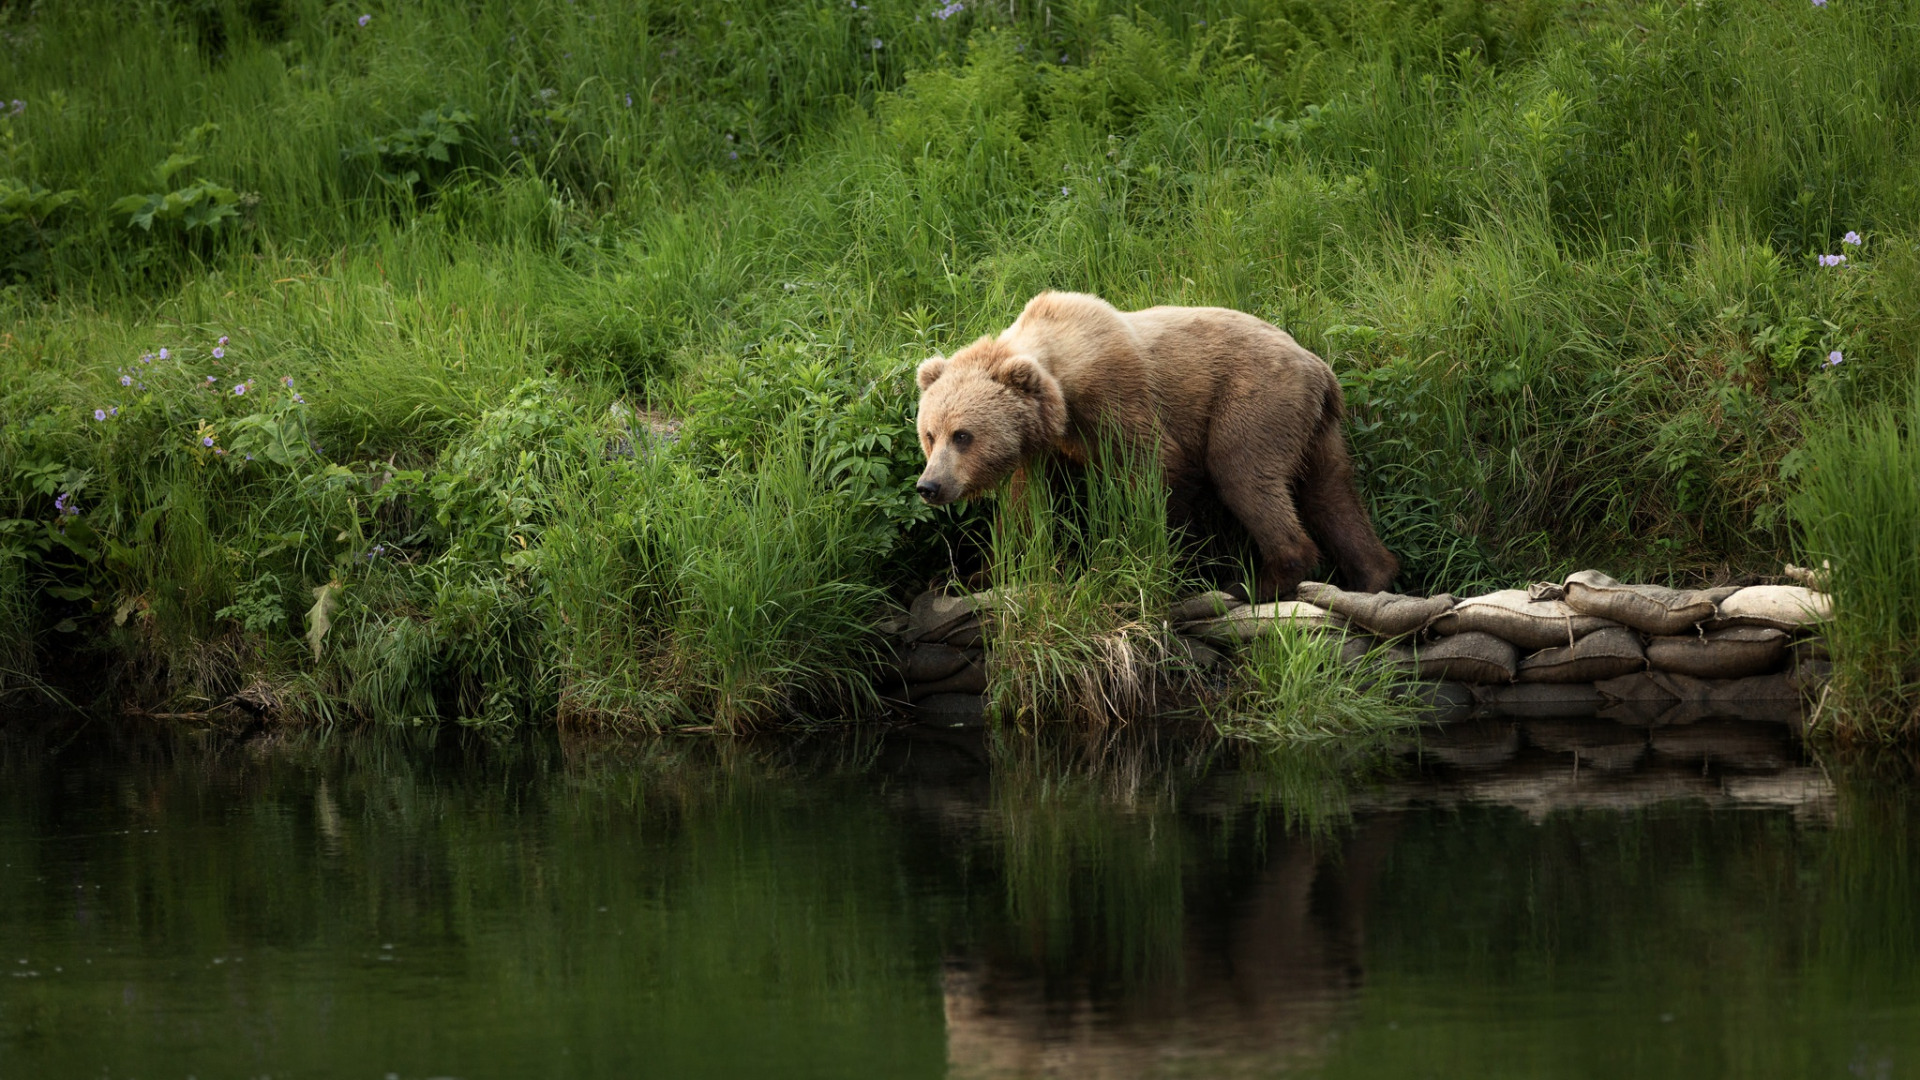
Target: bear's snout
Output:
{"points": [[931, 491]]}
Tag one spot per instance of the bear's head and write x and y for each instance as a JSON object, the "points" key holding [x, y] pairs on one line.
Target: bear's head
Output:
{"points": [[983, 411]]}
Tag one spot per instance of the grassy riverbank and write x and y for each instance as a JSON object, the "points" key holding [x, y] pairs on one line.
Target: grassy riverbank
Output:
{"points": [[525, 358]]}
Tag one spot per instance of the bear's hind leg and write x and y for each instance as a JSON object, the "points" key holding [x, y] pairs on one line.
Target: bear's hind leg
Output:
{"points": [[1331, 502], [1264, 504]]}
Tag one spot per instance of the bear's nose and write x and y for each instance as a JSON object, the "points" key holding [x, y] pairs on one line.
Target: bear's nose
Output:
{"points": [[928, 490]]}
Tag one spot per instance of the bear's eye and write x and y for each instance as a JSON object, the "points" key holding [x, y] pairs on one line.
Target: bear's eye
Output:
{"points": [[962, 439]]}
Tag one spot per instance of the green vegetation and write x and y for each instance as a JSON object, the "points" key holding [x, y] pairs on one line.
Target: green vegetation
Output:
{"points": [[567, 346], [1294, 687], [1860, 512], [1082, 589]]}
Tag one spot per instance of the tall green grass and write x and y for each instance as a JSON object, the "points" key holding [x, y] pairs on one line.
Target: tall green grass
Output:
{"points": [[1860, 512], [1081, 590], [1294, 688], [1562, 256]]}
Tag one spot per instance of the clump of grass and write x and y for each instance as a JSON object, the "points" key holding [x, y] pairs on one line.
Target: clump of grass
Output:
{"points": [[729, 597], [1079, 631], [1291, 686], [1859, 512]]}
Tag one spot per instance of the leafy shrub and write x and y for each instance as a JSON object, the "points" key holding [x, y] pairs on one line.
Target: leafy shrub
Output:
{"points": [[420, 154]]}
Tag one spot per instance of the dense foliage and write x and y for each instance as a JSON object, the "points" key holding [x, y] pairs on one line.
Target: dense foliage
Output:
{"points": [[462, 361]]}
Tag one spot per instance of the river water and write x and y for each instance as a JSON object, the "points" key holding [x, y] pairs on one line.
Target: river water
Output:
{"points": [[1517, 899]]}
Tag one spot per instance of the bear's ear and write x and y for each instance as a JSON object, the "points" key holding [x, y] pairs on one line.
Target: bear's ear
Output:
{"points": [[930, 370], [1021, 375]]}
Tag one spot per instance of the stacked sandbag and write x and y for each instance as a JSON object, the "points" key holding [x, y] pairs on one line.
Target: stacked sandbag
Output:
{"points": [[939, 662], [1650, 609], [1640, 653], [1386, 615], [1250, 621], [1515, 616]]}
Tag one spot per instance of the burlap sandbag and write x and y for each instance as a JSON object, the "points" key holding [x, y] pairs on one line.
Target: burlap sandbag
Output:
{"points": [[1603, 654], [1207, 605], [1641, 686], [1782, 607], [929, 662], [1366, 651], [1247, 623], [1651, 609], [1511, 616], [970, 679], [1386, 614], [1721, 654], [933, 616], [1469, 657]]}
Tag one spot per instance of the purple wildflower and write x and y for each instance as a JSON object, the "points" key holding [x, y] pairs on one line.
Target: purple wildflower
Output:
{"points": [[878, 44], [286, 381], [115, 411], [146, 358], [1834, 359], [239, 389], [99, 415], [222, 341], [206, 440], [126, 380], [1065, 191], [629, 101], [1852, 238], [1819, 3], [365, 19], [298, 400], [950, 11], [165, 354], [66, 505], [1832, 260], [219, 353], [211, 380]]}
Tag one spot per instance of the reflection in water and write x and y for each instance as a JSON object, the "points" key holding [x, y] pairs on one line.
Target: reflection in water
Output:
{"points": [[1539, 897]]}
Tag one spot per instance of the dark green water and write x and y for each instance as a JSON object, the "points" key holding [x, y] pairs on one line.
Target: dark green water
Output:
{"points": [[1704, 902]]}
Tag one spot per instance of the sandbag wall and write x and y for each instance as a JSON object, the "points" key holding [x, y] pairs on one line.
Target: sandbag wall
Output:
{"points": [[1584, 646]]}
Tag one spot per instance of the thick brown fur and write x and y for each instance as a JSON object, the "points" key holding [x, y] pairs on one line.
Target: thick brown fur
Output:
{"points": [[1232, 403]]}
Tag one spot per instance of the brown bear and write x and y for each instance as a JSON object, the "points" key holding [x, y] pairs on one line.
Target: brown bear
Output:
{"points": [[1229, 401]]}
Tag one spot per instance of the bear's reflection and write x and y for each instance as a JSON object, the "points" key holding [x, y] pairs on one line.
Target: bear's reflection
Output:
{"points": [[1261, 981], [1118, 940]]}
